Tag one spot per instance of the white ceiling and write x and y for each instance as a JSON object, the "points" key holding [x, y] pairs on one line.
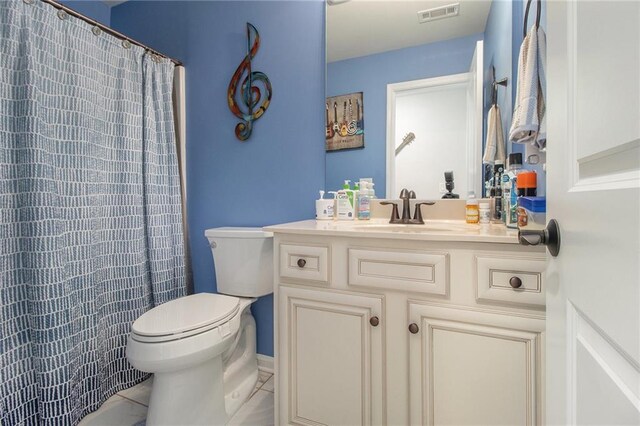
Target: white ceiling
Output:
{"points": [[364, 27]]}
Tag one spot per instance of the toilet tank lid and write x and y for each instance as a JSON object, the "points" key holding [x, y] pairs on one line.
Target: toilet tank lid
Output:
{"points": [[237, 232]]}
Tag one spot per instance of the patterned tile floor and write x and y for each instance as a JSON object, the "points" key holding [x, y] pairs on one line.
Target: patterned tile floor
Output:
{"points": [[129, 407]]}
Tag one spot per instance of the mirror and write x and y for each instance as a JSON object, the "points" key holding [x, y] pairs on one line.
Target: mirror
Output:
{"points": [[417, 78]]}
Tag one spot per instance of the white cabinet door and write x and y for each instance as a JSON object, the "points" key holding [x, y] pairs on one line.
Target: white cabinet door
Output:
{"points": [[593, 152], [330, 358], [474, 368]]}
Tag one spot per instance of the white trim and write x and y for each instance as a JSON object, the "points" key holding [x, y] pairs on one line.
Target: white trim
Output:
{"points": [[265, 363], [180, 91], [475, 121], [398, 89]]}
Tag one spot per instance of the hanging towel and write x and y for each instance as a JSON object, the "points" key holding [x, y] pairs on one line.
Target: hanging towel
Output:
{"points": [[528, 123], [494, 150]]}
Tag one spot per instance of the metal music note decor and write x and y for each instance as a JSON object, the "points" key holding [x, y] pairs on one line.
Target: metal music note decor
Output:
{"points": [[250, 94]]}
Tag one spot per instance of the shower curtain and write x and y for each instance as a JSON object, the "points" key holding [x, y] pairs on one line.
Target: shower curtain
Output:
{"points": [[90, 214]]}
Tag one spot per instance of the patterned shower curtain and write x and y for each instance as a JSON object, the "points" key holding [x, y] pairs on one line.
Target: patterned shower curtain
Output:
{"points": [[90, 215]]}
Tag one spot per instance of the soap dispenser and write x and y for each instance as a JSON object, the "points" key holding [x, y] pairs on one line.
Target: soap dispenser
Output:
{"points": [[324, 207], [345, 203], [364, 202]]}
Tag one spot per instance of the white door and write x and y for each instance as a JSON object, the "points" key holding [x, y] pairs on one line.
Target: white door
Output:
{"points": [[593, 186], [331, 358]]}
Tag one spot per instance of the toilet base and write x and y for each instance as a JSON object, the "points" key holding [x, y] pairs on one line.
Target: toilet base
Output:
{"points": [[241, 366], [193, 396], [196, 395]]}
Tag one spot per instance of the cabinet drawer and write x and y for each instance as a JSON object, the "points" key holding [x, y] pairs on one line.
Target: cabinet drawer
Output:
{"points": [[304, 262], [497, 274], [402, 270]]}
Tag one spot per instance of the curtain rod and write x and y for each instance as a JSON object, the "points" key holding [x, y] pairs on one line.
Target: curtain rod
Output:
{"points": [[106, 29]]}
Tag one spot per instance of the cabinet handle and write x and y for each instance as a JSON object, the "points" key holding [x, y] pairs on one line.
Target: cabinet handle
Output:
{"points": [[374, 321], [515, 282], [301, 263], [413, 328]]}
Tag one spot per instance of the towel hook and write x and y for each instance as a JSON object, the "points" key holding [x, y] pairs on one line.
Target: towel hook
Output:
{"points": [[495, 84], [526, 16]]}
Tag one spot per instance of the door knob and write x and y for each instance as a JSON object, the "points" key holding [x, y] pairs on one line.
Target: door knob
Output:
{"points": [[374, 321], [301, 263], [550, 237], [413, 328]]}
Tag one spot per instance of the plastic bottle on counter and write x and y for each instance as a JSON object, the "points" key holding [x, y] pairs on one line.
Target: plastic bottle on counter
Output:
{"points": [[364, 202], [496, 194], [324, 208], [346, 203], [509, 190], [472, 209], [527, 184], [485, 213]]}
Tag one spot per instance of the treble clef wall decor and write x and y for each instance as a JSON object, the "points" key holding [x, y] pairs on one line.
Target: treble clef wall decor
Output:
{"points": [[250, 95]]}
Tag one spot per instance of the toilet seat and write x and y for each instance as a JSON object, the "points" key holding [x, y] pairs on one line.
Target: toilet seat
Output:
{"points": [[184, 317]]}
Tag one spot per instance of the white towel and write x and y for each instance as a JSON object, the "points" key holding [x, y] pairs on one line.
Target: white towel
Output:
{"points": [[528, 123], [494, 150]]}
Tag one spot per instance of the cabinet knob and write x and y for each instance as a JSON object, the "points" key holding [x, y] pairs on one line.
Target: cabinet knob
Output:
{"points": [[301, 263], [413, 328], [374, 321], [515, 282]]}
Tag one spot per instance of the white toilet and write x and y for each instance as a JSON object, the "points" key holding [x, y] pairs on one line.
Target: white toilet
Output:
{"points": [[202, 348]]}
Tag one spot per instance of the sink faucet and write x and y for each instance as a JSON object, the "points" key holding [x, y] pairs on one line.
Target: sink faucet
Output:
{"points": [[406, 196]]}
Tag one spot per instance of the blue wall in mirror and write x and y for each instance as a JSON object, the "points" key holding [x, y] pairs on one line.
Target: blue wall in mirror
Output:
{"points": [[498, 53], [370, 75], [517, 37]]}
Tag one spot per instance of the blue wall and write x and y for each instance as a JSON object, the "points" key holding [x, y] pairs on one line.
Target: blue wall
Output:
{"points": [[93, 9], [275, 175], [498, 52], [370, 75]]}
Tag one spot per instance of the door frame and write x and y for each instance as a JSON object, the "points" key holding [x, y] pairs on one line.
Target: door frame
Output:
{"points": [[396, 90]]}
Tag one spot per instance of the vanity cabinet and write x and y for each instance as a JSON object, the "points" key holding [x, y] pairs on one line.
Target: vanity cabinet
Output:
{"points": [[472, 367], [401, 331], [333, 362]]}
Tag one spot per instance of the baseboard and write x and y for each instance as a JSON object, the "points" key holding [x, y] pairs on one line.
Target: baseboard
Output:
{"points": [[265, 363]]}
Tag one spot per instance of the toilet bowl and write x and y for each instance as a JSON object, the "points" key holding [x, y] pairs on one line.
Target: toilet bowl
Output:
{"points": [[202, 348]]}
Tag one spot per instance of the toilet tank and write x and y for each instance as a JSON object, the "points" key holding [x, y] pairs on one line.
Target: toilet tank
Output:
{"points": [[243, 259]]}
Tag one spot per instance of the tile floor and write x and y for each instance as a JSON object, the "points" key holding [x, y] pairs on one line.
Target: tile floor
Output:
{"points": [[129, 407]]}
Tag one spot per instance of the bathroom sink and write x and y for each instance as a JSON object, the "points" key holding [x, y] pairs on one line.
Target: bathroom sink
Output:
{"points": [[429, 227]]}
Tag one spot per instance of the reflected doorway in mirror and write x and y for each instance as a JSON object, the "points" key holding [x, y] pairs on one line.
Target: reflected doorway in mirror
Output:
{"points": [[344, 116]]}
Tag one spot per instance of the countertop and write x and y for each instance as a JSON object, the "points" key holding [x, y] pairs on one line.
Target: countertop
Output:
{"points": [[432, 230]]}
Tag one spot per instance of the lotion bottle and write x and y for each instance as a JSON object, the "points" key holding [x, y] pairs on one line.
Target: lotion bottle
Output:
{"points": [[364, 202], [324, 208], [345, 203]]}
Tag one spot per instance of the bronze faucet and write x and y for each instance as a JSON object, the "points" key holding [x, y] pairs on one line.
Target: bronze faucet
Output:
{"points": [[406, 196]]}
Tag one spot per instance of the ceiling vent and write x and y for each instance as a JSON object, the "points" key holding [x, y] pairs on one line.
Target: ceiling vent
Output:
{"points": [[441, 12]]}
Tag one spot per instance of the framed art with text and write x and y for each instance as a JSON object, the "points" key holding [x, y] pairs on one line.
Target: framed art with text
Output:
{"points": [[344, 126]]}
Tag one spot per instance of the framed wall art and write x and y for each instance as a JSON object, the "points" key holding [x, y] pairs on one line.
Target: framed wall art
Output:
{"points": [[344, 126]]}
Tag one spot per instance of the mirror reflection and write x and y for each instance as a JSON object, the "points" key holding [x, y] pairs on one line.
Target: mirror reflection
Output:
{"points": [[424, 70]]}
